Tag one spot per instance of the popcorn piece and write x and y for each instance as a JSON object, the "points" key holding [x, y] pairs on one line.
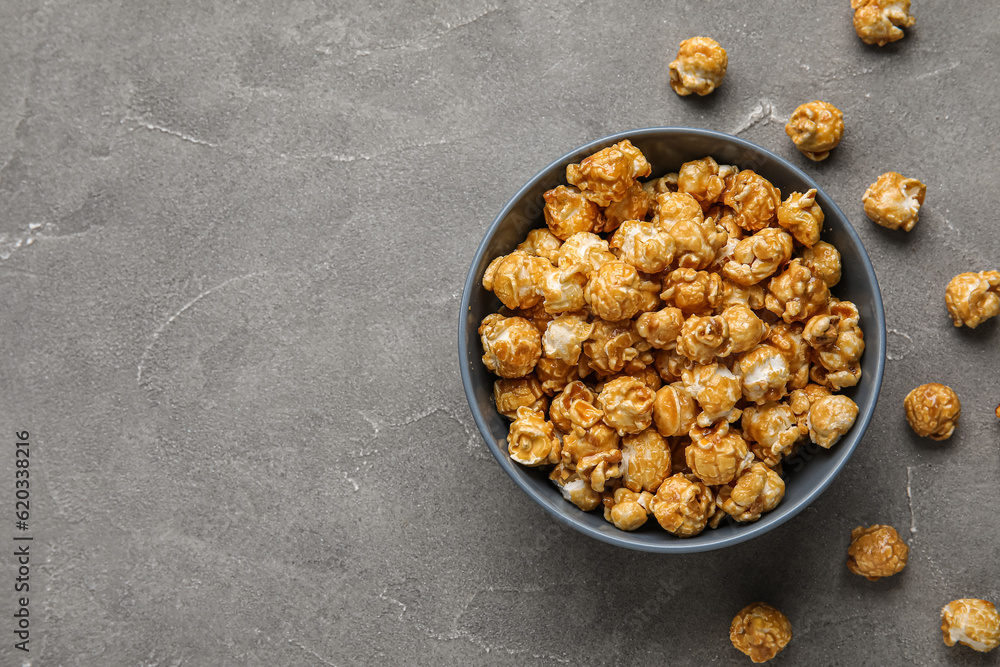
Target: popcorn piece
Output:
{"points": [[694, 292], [627, 405], [564, 337], [626, 513], [933, 410], [830, 418], [644, 245], [611, 346], [973, 298], [516, 279], [511, 394], [893, 201], [816, 128], [532, 441], [658, 186], [760, 631], [671, 207], [599, 469], [645, 461], [554, 374], [574, 488], [717, 455], [717, 391], [543, 243], [796, 294], [802, 217], [773, 428], [839, 362], [574, 408], [648, 376], [633, 206], [700, 66], [562, 289], [701, 180], [674, 410], [802, 399], [581, 445], [763, 373], [661, 328], [824, 261], [876, 552], [759, 256], [754, 200], [879, 21], [696, 240], [511, 345], [733, 294], [568, 211], [584, 250], [746, 330], [790, 341], [703, 338], [613, 292], [670, 364], [682, 505], [757, 490], [607, 175], [972, 622]]}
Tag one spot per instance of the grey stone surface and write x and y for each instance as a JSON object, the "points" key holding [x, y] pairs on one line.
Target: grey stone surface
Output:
{"points": [[232, 242]]}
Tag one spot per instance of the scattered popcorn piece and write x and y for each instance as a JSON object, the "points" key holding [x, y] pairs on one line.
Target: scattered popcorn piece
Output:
{"points": [[972, 622], [879, 21], [511, 345], [933, 410], [816, 128], [645, 461], [973, 298], [754, 200], [700, 66], [717, 455], [682, 505], [893, 201], [627, 405], [876, 552], [644, 245], [757, 490], [760, 631], [802, 217], [513, 393], [532, 441], [607, 175], [674, 410]]}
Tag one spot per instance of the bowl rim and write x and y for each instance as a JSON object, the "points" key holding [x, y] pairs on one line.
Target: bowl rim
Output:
{"points": [[680, 545]]}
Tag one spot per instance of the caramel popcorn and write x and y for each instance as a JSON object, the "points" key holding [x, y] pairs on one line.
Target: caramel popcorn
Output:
{"points": [[585, 251], [703, 338], [682, 505], [645, 461], [600, 469], [574, 488], [567, 212], [790, 341], [796, 294], [816, 128], [644, 245], [829, 418], [876, 552], [759, 256], [674, 410], [717, 391], [757, 490], [554, 374], [516, 279], [773, 428], [648, 376], [693, 292], [671, 207], [972, 622], [564, 337], [613, 292], [760, 631], [626, 513], [696, 240], [802, 217], [509, 394], [574, 407], [701, 179], [607, 175], [763, 373], [893, 201], [933, 410], [973, 298], [661, 328], [879, 21], [754, 200], [733, 294], [562, 289], [543, 243], [627, 405], [824, 261], [746, 330], [583, 444], [700, 66], [633, 206], [511, 345], [717, 455], [611, 346], [838, 344], [532, 441]]}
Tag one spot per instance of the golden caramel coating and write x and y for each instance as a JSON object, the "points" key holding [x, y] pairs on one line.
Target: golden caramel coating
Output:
{"points": [[830, 418], [613, 292], [797, 293], [513, 393], [516, 279], [973, 298], [511, 345], [764, 374], [682, 505], [790, 341], [754, 200], [607, 175], [644, 245], [746, 330], [703, 338], [670, 364], [700, 66], [674, 410], [802, 217], [879, 21], [717, 455], [773, 427], [696, 239], [877, 551], [759, 256], [716, 390], [816, 128], [824, 261], [601, 469], [733, 294], [564, 337], [555, 374], [532, 441], [648, 376], [802, 399], [543, 243], [574, 407], [837, 363], [562, 289], [645, 461], [627, 513], [694, 292], [971, 622], [757, 490], [611, 346], [760, 631], [893, 201], [633, 206], [585, 250], [701, 180], [583, 444], [661, 328], [658, 186], [627, 404], [933, 410], [671, 207], [574, 488], [568, 212]]}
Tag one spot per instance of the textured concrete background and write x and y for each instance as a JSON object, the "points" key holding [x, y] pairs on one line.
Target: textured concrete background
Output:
{"points": [[232, 241]]}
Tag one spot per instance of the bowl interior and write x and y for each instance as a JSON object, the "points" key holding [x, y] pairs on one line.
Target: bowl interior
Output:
{"points": [[666, 149]]}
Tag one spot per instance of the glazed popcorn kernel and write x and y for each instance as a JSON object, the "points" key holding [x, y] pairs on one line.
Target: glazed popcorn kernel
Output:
{"points": [[694, 292], [703, 338], [574, 488], [562, 289], [661, 328], [626, 513], [760, 631], [797, 293], [633, 206], [567, 212], [627, 405], [555, 374], [802, 217], [734, 294], [837, 343], [893, 201], [700, 66], [876, 552], [511, 345], [511, 394], [717, 455], [644, 245], [972, 622], [516, 279], [717, 391], [645, 461], [682, 505], [532, 441], [973, 298], [763, 373], [824, 261], [879, 21], [754, 200], [757, 490], [573, 408], [607, 175], [745, 328], [613, 292], [830, 418], [789, 340], [543, 243], [759, 256], [773, 428], [702, 180], [564, 337], [674, 410], [611, 346], [933, 410], [816, 128]]}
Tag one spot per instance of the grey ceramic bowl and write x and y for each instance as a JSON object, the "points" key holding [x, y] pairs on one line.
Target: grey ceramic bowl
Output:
{"points": [[666, 149]]}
